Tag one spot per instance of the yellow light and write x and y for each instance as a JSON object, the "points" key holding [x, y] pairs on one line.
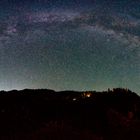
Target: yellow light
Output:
{"points": [[88, 95]]}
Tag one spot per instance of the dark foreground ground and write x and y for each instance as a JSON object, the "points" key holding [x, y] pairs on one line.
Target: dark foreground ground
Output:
{"points": [[68, 115]]}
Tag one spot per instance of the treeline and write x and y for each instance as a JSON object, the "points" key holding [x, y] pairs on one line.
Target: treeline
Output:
{"points": [[23, 112]]}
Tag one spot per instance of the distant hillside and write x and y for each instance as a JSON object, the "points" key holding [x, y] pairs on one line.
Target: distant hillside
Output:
{"points": [[42, 114]]}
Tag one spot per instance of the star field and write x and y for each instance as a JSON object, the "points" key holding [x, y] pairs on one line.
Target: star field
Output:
{"points": [[77, 45]]}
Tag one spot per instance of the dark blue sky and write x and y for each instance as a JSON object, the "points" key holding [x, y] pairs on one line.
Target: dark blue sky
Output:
{"points": [[69, 45]]}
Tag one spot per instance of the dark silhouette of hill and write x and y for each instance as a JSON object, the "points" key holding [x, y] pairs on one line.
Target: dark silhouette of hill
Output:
{"points": [[42, 114]]}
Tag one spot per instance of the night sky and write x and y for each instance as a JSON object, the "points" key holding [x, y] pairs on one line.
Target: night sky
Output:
{"points": [[70, 44]]}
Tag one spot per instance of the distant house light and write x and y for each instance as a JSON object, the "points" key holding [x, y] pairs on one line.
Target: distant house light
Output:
{"points": [[74, 99], [86, 94]]}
